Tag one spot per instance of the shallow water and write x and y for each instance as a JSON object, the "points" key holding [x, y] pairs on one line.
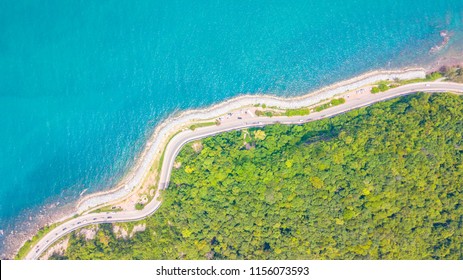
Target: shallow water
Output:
{"points": [[83, 83]]}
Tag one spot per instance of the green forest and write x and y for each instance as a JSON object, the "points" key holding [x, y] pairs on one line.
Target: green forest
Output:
{"points": [[382, 182]]}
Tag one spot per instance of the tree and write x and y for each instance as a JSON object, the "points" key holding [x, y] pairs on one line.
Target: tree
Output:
{"points": [[259, 134]]}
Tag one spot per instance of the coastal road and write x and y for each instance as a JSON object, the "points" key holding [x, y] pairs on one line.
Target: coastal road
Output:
{"points": [[354, 100]]}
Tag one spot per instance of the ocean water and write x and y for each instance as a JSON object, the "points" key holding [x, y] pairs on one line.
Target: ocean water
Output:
{"points": [[83, 83]]}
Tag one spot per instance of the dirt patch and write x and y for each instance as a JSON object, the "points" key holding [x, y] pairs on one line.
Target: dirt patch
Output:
{"points": [[137, 228], [141, 195], [120, 232], [88, 233], [197, 146], [58, 249]]}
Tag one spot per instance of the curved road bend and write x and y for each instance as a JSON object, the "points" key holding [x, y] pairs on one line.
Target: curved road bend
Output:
{"points": [[353, 101]]}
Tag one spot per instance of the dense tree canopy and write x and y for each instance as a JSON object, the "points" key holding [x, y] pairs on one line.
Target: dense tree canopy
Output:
{"points": [[383, 182]]}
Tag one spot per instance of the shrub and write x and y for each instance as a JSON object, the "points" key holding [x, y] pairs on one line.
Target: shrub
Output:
{"points": [[383, 87], [338, 101], [375, 90]]}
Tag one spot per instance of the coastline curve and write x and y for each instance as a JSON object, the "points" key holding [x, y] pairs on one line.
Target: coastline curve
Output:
{"points": [[154, 145], [187, 136]]}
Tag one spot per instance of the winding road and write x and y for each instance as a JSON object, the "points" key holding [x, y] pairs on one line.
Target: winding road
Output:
{"points": [[353, 101]]}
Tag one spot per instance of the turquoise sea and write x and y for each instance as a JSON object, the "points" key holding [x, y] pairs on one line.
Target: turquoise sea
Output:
{"points": [[83, 83]]}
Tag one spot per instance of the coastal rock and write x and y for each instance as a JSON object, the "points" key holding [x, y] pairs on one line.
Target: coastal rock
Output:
{"points": [[445, 40]]}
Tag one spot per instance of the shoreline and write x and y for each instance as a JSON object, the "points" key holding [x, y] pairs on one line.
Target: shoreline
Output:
{"points": [[177, 121], [181, 119], [235, 120]]}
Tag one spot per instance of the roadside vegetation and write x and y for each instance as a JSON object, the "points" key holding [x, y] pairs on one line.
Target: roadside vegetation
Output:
{"points": [[139, 206], [108, 208], [453, 74], [381, 182], [204, 124], [385, 85], [29, 244], [267, 113], [332, 103], [297, 112], [273, 112]]}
